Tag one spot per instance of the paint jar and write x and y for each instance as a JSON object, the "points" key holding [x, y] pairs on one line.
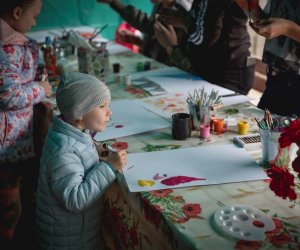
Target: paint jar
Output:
{"points": [[243, 127], [269, 145], [218, 125], [204, 131], [181, 126], [147, 65], [140, 66], [116, 67], [127, 79]]}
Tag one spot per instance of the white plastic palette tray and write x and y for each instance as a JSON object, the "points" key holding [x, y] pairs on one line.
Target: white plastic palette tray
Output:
{"points": [[243, 222]]}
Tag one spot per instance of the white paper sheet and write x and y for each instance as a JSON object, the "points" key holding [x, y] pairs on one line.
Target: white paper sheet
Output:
{"points": [[217, 164], [185, 86], [128, 119], [165, 105], [171, 103], [231, 100]]}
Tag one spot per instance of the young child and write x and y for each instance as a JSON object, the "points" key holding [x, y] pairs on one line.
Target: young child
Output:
{"points": [[18, 93], [72, 176]]}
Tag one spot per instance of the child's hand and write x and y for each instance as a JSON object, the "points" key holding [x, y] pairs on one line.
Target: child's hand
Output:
{"points": [[165, 35], [102, 152], [47, 88], [117, 160]]}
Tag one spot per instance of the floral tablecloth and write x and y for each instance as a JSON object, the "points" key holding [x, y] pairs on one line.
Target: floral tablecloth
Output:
{"points": [[182, 218]]}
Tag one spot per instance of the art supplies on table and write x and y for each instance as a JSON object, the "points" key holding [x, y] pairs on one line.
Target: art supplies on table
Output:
{"points": [[246, 141], [273, 123], [243, 222]]}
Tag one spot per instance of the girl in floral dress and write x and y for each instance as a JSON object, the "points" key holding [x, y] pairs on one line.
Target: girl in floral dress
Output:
{"points": [[18, 93]]}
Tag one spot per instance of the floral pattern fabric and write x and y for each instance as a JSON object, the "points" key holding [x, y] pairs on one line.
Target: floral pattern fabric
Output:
{"points": [[18, 93]]}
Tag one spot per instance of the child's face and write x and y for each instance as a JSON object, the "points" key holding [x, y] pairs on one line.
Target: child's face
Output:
{"points": [[27, 17], [96, 119]]}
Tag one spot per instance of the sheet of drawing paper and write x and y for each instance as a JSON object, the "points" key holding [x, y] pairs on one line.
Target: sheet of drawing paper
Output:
{"points": [[165, 105], [128, 118], [231, 100], [171, 103], [185, 86], [205, 165]]}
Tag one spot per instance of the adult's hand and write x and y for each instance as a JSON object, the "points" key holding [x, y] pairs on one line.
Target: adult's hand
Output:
{"points": [[274, 27]]}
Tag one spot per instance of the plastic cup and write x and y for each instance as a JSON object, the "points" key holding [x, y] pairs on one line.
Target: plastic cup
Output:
{"points": [[204, 131], [218, 125], [243, 127]]}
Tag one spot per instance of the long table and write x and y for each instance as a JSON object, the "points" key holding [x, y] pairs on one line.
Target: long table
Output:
{"points": [[182, 218]]}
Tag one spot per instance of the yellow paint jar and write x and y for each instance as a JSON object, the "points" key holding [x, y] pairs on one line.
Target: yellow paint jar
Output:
{"points": [[243, 127]]}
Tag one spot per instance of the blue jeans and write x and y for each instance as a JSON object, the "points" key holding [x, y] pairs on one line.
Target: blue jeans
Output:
{"points": [[282, 93]]}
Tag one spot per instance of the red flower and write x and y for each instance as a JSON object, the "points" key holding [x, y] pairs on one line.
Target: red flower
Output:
{"points": [[120, 145], [290, 134], [276, 230], [161, 193], [8, 49], [35, 93], [281, 182], [248, 245], [280, 239], [26, 66], [192, 210]]}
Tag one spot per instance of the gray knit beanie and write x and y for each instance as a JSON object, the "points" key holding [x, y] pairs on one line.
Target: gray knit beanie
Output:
{"points": [[77, 94]]}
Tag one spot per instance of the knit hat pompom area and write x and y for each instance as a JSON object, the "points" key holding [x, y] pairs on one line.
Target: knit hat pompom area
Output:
{"points": [[77, 94]]}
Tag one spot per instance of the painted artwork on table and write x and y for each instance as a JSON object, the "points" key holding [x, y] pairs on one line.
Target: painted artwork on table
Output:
{"points": [[190, 167], [128, 118], [165, 105]]}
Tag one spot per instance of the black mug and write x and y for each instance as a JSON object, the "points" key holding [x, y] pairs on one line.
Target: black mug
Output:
{"points": [[181, 126]]}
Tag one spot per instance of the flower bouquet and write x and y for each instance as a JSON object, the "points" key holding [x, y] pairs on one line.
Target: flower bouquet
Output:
{"points": [[285, 170]]}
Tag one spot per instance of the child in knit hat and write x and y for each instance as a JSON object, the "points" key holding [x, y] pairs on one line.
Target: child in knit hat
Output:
{"points": [[72, 177]]}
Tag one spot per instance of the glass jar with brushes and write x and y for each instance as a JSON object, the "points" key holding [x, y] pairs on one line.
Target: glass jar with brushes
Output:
{"points": [[201, 104]]}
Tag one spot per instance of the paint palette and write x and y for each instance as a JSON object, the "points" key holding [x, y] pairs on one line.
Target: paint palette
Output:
{"points": [[252, 140], [243, 222]]}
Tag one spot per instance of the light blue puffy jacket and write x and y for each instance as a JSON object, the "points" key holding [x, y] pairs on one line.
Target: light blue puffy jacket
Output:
{"points": [[71, 183]]}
